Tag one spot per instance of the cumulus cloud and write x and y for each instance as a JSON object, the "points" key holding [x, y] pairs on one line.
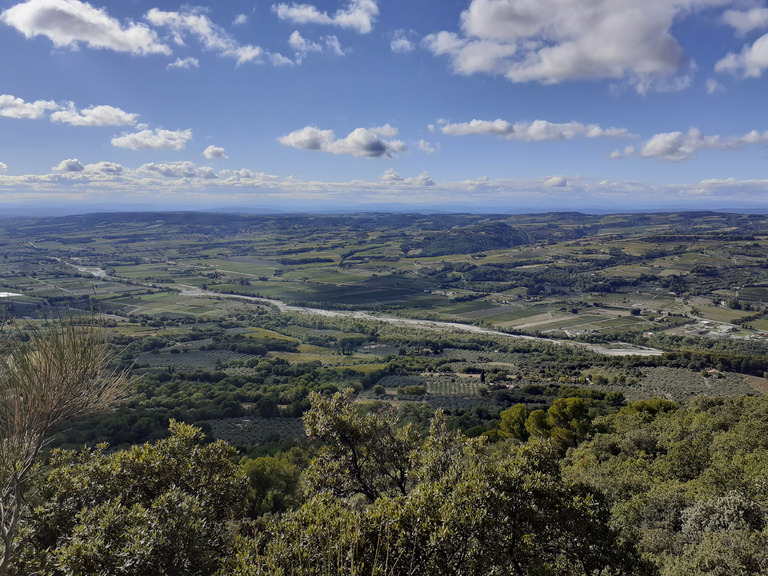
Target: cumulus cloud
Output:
{"points": [[536, 131], [194, 22], [556, 182], [94, 116], [751, 62], [402, 42], [70, 23], [3, 166], [679, 146], [746, 21], [552, 41], [214, 152], [361, 142], [13, 107], [70, 165], [158, 139], [359, 15], [246, 178], [184, 63], [240, 19], [177, 170], [105, 168], [392, 177]]}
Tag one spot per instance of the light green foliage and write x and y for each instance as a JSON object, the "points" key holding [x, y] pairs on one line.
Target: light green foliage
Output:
{"points": [[690, 480], [565, 422], [513, 422], [159, 508]]}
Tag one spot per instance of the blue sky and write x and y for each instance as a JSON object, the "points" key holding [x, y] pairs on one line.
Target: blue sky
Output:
{"points": [[473, 105]]}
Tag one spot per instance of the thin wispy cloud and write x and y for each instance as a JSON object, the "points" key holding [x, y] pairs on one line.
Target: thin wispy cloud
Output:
{"points": [[536, 131], [195, 23]]}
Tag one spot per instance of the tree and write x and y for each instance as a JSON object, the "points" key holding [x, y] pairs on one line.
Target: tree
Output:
{"points": [[159, 508], [49, 373], [513, 422], [366, 454], [466, 508]]}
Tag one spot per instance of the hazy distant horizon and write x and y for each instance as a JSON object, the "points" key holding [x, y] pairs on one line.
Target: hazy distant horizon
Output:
{"points": [[48, 211]]}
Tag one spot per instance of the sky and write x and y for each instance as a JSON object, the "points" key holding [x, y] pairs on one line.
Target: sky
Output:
{"points": [[335, 105]]}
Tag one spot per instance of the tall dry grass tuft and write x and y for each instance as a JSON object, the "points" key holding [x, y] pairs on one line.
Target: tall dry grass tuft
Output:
{"points": [[49, 372]]}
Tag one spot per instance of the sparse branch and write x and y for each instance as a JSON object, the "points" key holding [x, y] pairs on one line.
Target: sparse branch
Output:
{"points": [[59, 372]]}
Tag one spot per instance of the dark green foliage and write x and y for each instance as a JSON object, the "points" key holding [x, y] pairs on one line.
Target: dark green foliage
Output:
{"points": [[491, 236], [153, 509], [464, 510]]}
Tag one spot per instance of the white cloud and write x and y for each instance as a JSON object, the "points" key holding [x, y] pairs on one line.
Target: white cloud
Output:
{"points": [[552, 41], [184, 63], [3, 166], [401, 42], [70, 165], [105, 168], [158, 139], [420, 181], [240, 19], [94, 116], [246, 178], [300, 44], [280, 60], [333, 45], [536, 131], [178, 170], [556, 182], [213, 37], [13, 107], [386, 130], [746, 21], [308, 138], [361, 142], [425, 146], [69, 23], [359, 15], [750, 63], [713, 86], [214, 152], [678, 146], [391, 176]]}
